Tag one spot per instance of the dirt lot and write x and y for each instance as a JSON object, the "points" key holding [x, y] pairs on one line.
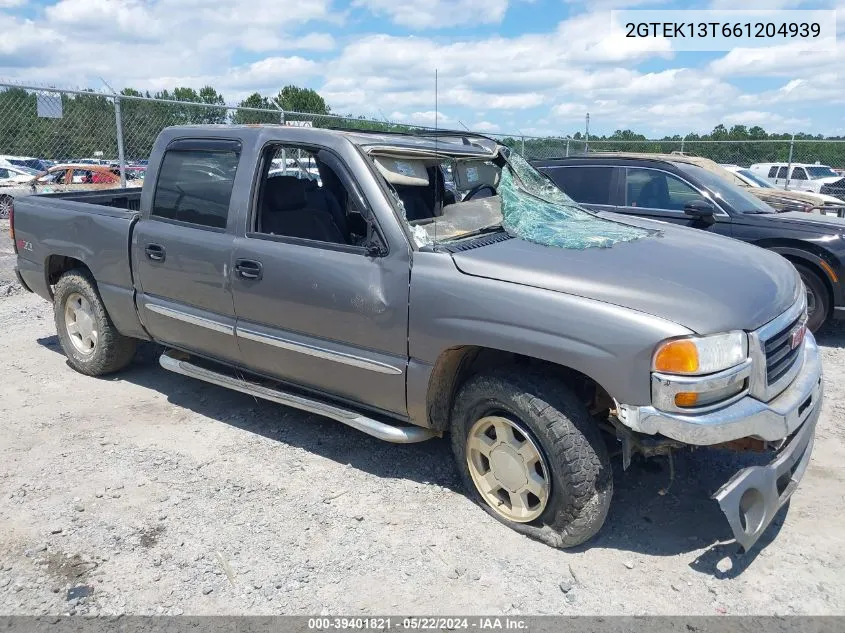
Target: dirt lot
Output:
{"points": [[160, 494]]}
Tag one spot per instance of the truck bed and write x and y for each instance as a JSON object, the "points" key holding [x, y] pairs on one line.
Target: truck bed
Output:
{"points": [[128, 199], [93, 228]]}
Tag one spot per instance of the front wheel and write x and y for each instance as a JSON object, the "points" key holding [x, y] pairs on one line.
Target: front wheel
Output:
{"points": [[530, 454], [818, 298], [90, 340]]}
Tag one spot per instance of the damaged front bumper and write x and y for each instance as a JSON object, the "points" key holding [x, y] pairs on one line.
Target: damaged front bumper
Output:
{"points": [[753, 496], [748, 417]]}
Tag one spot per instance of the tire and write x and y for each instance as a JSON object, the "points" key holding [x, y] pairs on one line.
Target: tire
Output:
{"points": [[106, 352], [5, 206], [549, 416], [817, 296]]}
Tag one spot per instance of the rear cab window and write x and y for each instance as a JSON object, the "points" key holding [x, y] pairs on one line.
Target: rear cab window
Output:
{"points": [[195, 182]]}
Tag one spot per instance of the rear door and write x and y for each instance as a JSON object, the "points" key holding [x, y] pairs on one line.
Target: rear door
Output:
{"points": [[655, 193], [182, 249], [593, 186]]}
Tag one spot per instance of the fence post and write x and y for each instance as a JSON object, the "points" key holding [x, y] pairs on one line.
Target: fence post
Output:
{"points": [[789, 166], [523, 147], [567, 146], [682, 143], [118, 121]]}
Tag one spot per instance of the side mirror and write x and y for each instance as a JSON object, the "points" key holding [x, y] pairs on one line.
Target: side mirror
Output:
{"points": [[700, 209]]}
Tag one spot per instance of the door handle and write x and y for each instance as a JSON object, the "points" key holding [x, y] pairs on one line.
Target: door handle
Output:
{"points": [[249, 269], [155, 252]]}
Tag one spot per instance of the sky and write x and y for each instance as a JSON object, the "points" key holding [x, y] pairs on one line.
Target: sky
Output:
{"points": [[532, 67]]}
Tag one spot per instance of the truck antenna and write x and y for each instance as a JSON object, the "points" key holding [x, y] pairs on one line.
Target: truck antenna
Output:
{"points": [[438, 169]]}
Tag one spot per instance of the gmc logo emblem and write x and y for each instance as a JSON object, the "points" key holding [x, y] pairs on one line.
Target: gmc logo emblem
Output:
{"points": [[797, 336]]}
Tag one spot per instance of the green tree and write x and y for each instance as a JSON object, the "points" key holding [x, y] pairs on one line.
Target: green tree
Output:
{"points": [[295, 99], [255, 102]]}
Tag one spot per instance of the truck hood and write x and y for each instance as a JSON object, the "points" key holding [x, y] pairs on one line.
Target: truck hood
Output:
{"points": [[704, 282]]}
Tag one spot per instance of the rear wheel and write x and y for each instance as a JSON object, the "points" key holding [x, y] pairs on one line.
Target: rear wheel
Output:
{"points": [[530, 454], [91, 342], [818, 298], [6, 203]]}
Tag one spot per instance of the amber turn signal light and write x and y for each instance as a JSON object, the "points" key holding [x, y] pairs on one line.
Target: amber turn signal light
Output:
{"points": [[677, 357]]}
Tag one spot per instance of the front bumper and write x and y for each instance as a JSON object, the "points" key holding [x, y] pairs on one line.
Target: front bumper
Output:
{"points": [[747, 417], [752, 497]]}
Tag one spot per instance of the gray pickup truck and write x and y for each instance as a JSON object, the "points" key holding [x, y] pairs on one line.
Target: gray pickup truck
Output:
{"points": [[336, 272]]}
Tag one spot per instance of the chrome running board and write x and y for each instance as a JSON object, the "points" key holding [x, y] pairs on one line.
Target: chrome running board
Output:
{"points": [[381, 430]]}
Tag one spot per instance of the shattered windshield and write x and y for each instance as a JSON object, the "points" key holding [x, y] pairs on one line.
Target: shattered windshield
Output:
{"points": [[462, 198], [534, 209]]}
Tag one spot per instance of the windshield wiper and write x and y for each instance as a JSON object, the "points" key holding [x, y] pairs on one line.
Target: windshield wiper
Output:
{"points": [[493, 228]]}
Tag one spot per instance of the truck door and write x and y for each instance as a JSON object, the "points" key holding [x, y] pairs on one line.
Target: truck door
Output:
{"points": [[315, 306], [182, 249]]}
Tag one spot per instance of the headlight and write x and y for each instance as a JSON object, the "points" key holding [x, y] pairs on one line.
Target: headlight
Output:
{"points": [[700, 372], [697, 355]]}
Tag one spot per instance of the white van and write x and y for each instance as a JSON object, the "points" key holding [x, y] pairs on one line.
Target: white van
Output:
{"points": [[803, 177]]}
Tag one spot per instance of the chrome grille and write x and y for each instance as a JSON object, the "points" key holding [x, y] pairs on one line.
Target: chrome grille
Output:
{"points": [[775, 362], [780, 357]]}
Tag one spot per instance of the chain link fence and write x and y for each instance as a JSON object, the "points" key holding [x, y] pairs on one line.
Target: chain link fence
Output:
{"points": [[44, 127]]}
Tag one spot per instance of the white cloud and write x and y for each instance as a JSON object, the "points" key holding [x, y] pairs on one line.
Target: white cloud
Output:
{"points": [[783, 60], [484, 126], [542, 81], [423, 14], [768, 120]]}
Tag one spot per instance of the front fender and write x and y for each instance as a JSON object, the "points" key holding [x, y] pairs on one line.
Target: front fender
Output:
{"points": [[821, 264], [610, 344]]}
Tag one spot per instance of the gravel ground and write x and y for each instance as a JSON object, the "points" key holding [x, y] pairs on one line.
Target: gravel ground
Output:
{"points": [[157, 494]]}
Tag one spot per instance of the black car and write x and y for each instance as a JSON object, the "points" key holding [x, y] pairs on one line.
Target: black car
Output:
{"points": [[674, 189]]}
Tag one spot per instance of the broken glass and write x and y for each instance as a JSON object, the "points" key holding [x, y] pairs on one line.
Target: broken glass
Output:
{"points": [[534, 209]]}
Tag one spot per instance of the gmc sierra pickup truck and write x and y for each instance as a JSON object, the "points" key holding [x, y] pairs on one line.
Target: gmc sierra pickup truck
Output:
{"points": [[335, 272]]}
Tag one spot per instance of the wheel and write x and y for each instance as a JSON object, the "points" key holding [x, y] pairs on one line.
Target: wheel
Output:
{"points": [[530, 454], [818, 298], [92, 344], [5, 206]]}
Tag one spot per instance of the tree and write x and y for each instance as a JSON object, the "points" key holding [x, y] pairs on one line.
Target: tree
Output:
{"points": [[256, 102], [296, 99]]}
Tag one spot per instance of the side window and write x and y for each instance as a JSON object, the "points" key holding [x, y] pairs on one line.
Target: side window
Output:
{"points": [[301, 196], [781, 172], [798, 173], [589, 185], [773, 171], [653, 189], [4, 173], [195, 186], [81, 176]]}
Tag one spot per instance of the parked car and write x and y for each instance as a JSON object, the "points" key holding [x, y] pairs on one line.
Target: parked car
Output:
{"points": [[64, 177], [530, 329], [38, 164], [802, 177], [11, 176], [672, 188], [11, 179], [780, 199]]}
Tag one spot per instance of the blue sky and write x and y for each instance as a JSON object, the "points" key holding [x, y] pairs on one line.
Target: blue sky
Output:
{"points": [[530, 66]]}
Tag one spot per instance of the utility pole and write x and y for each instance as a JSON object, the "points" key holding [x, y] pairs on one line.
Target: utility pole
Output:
{"points": [[587, 135], [789, 167]]}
